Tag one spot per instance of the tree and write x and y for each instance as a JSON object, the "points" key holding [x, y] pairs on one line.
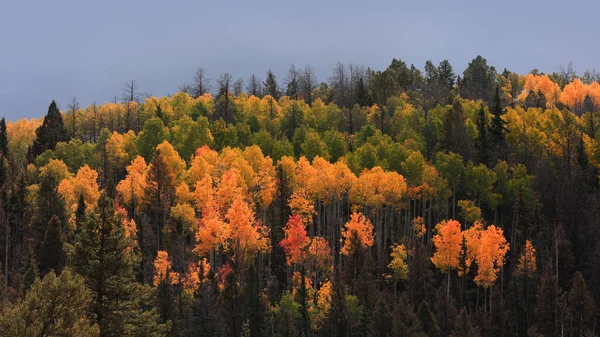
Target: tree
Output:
{"points": [[398, 262], [286, 314], [581, 305], [201, 83], [52, 254], [497, 128], [224, 106], [254, 86], [50, 132], [103, 255], [447, 244], [478, 80], [3, 138], [153, 134], [54, 306], [357, 234], [158, 194], [292, 82], [482, 140], [48, 203], [307, 83], [271, 87], [295, 241]]}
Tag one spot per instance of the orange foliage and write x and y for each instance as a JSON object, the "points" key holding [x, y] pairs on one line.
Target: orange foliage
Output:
{"points": [[527, 262], [131, 189], [447, 244], [419, 227], [196, 273], [319, 254], [247, 237], [302, 206], [357, 233], [162, 269], [295, 240], [86, 183], [490, 255]]}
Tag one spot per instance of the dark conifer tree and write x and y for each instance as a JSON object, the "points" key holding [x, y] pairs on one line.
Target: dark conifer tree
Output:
{"points": [[3, 138], [271, 87], [482, 141], [50, 132], [52, 255]]}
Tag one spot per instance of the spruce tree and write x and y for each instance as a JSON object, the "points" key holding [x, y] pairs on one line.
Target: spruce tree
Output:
{"points": [[52, 253], [103, 255], [50, 132], [3, 138], [497, 129], [481, 143], [80, 214], [271, 87]]}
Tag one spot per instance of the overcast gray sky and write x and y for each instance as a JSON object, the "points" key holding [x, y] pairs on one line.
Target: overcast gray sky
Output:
{"points": [[89, 49]]}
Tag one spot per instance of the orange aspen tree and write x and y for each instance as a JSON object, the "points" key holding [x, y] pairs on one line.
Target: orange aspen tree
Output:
{"points": [[447, 244], [295, 241], [357, 234]]}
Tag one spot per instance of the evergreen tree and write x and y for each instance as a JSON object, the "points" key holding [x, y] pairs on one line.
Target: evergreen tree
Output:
{"points": [[103, 255], [52, 254], [258, 309], [80, 214], [30, 269], [206, 317], [48, 204], [478, 80], [271, 87], [54, 306], [464, 327], [338, 314], [3, 138], [581, 305], [50, 132], [481, 143], [427, 319], [363, 97], [158, 194], [548, 305], [497, 129]]}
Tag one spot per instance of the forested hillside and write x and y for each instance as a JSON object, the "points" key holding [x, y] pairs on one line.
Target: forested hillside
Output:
{"points": [[402, 202]]}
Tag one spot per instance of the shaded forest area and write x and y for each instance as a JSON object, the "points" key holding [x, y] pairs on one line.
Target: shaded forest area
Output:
{"points": [[402, 202]]}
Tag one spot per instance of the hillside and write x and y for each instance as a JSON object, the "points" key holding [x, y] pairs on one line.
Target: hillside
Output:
{"points": [[399, 202]]}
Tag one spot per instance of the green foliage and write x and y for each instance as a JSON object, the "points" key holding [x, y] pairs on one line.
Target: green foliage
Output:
{"points": [[153, 134], [54, 306]]}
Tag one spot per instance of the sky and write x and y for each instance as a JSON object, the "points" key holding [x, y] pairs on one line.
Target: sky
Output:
{"points": [[90, 49]]}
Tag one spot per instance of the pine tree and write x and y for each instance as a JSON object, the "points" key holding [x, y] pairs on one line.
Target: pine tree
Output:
{"points": [[52, 254], [427, 319], [206, 317], [158, 194], [103, 255], [48, 204], [3, 138], [30, 269], [258, 309], [338, 314], [497, 128], [80, 214], [464, 326], [548, 305], [481, 143], [581, 305], [54, 306], [271, 87], [50, 132]]}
